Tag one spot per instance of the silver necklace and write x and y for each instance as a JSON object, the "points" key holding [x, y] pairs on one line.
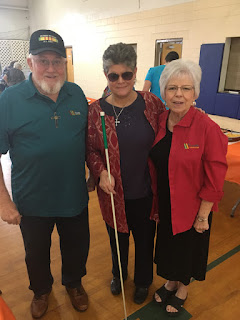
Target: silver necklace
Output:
{"points": [[117, 115]]}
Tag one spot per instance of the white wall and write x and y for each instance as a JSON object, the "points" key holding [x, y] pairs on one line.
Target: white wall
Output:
{"points": [[94, 10], [90, 29], [14, 22], [14, 3]]}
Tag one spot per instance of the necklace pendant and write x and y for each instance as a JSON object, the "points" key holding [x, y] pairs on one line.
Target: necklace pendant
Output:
{"points": [[117, 115], [56, 118]]}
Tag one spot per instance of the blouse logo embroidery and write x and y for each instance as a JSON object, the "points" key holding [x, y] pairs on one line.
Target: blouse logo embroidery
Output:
{"points": [[190, 146]]}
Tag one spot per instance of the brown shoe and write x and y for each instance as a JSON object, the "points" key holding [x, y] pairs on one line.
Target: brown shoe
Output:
{"points": [[78, 298], [39, 305]]}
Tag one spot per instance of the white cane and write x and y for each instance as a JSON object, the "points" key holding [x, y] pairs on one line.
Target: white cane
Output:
{"points": [[102, 114]]}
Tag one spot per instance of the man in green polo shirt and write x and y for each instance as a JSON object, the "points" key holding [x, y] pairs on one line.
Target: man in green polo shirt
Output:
{"points": [[42, 125]]}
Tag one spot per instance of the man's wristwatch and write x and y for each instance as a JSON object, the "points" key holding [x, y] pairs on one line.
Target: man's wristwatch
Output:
{"points": [[201, 219]]}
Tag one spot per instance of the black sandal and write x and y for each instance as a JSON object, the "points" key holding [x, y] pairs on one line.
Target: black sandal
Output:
{"points": [[164, 294], [176, 303]]}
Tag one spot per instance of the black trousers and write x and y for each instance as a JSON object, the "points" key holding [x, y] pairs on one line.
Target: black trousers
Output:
{"points": [[74, 244], [143, 231]]}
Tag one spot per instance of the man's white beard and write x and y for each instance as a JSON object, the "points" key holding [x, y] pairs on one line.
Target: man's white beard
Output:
{"points": [[45, 88]]}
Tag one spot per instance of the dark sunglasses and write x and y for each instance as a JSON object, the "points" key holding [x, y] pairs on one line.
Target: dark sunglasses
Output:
{"points": [[128, 75]]}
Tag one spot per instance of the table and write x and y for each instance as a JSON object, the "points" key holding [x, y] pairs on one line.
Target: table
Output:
{"points": [[233, 173], [90, 100]]}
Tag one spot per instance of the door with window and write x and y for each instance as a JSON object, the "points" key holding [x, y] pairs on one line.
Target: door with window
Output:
{"points": [[163, 47], [70, 71]]}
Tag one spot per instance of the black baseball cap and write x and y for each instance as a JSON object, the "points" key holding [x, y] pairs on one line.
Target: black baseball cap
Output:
{"points": [[46, 40]]}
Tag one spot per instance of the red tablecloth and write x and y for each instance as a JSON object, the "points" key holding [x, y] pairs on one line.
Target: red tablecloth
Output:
{"points": [[5, 312], [233, 159], [90, 100]]}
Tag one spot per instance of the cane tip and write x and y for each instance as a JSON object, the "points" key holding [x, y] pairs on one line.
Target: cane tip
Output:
{"points": [[102, 113]]}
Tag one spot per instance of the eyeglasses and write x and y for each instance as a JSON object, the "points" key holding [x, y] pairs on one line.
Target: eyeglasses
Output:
{"points": [[44, 63], [184, 89], [128, 75]]}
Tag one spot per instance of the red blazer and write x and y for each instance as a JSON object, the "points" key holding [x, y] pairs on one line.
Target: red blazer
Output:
{"points": [[96, 157], [197, 166]]}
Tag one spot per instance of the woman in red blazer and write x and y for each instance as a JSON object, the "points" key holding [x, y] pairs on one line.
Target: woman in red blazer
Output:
{"points": [[189, 156], [131, 119]]}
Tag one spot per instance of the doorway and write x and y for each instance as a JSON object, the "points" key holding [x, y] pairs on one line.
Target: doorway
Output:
{"points": [[70, 71], [163, 47]]}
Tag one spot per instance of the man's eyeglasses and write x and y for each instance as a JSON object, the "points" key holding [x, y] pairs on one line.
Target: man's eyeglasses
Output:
{"points": [[44, 63], [128, 75], [184, 89]]}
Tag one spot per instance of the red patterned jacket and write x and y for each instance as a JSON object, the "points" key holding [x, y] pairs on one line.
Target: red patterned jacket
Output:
{"points": [[96, 160]]}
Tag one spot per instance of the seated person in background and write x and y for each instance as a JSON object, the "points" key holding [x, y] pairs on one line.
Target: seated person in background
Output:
{"points": [[17, 65], [13, 76], [3, 84], [153, 75], [2, 87], [5, 70]]}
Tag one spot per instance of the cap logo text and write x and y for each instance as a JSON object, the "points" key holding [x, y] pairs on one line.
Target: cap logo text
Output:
{"points": [[47, 38]]}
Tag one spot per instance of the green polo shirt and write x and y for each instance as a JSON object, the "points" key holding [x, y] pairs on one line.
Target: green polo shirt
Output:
{"points": [[48, 155]]}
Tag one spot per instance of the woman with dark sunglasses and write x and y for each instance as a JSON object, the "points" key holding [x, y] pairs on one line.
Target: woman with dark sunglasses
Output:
{"points": [[131, 125]]}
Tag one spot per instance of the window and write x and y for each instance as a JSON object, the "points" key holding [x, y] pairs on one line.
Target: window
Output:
{"points": [[230, 72]]}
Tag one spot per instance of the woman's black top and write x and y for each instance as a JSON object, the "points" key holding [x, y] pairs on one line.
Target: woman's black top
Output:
{"points": [[135, 138]]}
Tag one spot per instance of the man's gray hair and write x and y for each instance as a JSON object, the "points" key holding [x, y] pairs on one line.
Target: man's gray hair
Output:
{"points": [[120, 53], [178, 68], [30, 56]]}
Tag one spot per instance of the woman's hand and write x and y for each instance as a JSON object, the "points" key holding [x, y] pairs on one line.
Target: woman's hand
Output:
{"points": [[105, 184], [201, 226], [200, 110], [201, 221]]}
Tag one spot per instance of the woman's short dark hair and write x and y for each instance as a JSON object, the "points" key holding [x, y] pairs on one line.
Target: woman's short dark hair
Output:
{"points": [[120, 53]]}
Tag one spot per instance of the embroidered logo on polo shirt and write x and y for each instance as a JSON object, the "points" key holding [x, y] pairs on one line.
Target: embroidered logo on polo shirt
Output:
{"points": [[191, 146], [75, 113]]}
